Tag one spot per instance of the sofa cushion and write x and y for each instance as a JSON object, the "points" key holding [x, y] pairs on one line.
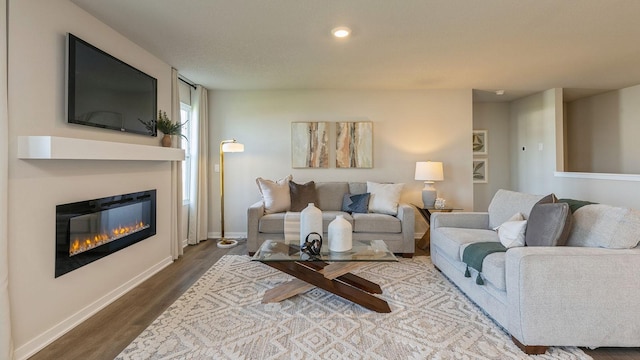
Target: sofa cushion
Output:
{"points": [[302, 195], [548, 225], [275, 194], [451, 240], [357, 187], [376, 223], [493, 270], [358, 203], [330, 195], [384, 198], [272, 223], [506, 203], [605, 226]]}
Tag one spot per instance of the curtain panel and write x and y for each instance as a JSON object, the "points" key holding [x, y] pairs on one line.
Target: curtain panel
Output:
{"points": [[199, 207]]}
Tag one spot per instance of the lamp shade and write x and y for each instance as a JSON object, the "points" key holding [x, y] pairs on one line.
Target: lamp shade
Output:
{"points": [[429, 171], [232, 147]]}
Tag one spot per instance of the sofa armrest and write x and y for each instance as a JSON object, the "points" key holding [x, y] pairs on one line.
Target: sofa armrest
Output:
{"points": [[573, 296], [470, 220], [254, 213], [407, 217]]}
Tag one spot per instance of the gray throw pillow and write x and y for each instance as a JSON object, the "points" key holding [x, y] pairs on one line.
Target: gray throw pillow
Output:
{"points": [[302, 195], [358, 203], [548, 225]]}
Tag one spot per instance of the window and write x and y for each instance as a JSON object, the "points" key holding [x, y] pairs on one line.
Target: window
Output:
{"points": [[185, 117]]}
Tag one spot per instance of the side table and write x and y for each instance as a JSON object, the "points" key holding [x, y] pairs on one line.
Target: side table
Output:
{"points": [[425, 240]]}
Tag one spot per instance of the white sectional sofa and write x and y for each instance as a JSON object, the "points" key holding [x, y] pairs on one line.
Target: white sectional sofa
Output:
{"points": [[584, 294]]}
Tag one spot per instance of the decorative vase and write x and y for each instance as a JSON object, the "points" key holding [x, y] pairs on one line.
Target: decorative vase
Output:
{"points": [[166, 140], [340, 234], [310, 221]]}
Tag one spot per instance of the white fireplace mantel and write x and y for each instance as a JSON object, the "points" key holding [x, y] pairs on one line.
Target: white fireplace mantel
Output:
{"points": [[62, 148]]}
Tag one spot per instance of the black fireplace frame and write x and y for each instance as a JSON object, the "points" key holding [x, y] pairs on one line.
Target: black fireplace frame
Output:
{"points": [[64, 262]]}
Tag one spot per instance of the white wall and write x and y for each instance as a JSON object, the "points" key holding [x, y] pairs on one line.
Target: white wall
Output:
{"points": [[538, 119], [408, 126], [493, 117], [43, 307], [603, 132]]}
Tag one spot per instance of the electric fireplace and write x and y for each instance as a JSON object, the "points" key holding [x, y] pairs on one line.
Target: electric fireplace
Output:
{"points": [[89, 230]]}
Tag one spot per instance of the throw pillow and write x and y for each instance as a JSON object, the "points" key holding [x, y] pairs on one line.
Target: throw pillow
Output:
{"points": [[575, 204], [275, 194], [384, 198], [549, 199], [358, 203], [549, 225], [515, 217], [511, 233], [302, 195]]}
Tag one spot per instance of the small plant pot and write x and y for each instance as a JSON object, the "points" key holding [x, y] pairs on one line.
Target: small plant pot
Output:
{"points": [[166, 141]]}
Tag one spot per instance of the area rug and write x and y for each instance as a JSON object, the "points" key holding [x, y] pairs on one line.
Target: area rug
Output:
{"points": [[221, 317]]}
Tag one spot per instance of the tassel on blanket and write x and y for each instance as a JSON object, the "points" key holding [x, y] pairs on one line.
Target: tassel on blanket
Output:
{"points": [[466, 272], [479, 280]]}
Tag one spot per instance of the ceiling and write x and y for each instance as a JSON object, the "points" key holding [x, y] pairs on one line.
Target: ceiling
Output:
{"points": [[522, 46]]}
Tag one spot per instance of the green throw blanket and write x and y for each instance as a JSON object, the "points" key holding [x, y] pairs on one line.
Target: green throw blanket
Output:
{"points": [[474, 255]]}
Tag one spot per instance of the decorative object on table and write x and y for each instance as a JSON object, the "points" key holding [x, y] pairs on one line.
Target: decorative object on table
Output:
{"points": [[340, 234], [166, 126], [440, 203], [429, 171], [312, 246], [480, 142], [310, 222], [354, 144], [309, 144], [225, 147], [480, 171]]}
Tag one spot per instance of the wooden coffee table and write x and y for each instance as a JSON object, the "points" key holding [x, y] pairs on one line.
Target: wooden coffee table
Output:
{"points": [[330, 271]]}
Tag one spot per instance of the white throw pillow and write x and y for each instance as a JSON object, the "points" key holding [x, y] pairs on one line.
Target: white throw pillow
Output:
{"points": [[515, 217], [511, 233], [384, 198], [275, 194]]}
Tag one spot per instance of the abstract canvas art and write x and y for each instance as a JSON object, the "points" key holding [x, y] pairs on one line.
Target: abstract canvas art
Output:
{"points": [[354, 144], [309, 145]]}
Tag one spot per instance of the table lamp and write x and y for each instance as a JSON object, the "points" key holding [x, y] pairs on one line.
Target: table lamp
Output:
{"points": [[429, 171]]}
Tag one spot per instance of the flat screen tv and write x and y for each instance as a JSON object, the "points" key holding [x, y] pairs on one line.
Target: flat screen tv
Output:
{"points": [[108, 93]]}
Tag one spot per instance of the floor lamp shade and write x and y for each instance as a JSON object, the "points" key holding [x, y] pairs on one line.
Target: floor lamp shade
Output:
{"points": [[226, 146], [429, 171]]}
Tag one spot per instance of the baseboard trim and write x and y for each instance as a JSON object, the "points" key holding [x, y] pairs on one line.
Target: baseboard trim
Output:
{"points": [[229, 235], [41, 341]]}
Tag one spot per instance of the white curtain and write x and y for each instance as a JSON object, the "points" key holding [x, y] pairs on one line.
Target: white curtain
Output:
{"points": [[6, 344], [199, 207], [176, 175]]}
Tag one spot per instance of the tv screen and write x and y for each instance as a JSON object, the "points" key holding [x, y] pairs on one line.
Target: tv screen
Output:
{"points": [[105, 92]]}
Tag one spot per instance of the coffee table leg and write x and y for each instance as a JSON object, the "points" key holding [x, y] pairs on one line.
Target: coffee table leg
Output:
{"points": [[335, 286]]}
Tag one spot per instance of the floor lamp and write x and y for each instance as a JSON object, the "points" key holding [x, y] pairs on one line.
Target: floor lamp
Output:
{"points": [[226, 146]]}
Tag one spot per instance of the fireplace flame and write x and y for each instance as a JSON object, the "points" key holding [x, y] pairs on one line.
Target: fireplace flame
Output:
{"points": [[79, 245]]}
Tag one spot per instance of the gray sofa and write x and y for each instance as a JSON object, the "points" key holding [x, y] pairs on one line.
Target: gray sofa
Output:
{"points": [[397, 231], [584, 294]]}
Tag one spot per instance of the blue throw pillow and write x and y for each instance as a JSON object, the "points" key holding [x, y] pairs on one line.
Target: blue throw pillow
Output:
{"points": [[358, 203]]}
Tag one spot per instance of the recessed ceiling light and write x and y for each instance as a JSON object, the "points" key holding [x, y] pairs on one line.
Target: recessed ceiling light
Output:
{"points": [[499, 92], [341, 32]]}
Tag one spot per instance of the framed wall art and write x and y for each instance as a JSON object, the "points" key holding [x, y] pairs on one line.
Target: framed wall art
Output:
{"points": [[354, 144], [309, 144], [480, 142], [480, 171]]}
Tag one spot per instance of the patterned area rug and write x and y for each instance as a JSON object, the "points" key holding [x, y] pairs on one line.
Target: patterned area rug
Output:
{"points": [[221, 317]]}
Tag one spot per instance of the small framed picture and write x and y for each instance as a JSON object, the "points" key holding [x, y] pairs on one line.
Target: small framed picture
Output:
{"points": [[480, 171], [480, 142]]}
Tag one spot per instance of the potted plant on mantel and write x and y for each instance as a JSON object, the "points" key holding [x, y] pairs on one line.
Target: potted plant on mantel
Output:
{"points": [[166, 126]]}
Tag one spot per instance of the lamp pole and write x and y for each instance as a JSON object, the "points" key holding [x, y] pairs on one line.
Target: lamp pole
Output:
{"points": [[225, 146]]}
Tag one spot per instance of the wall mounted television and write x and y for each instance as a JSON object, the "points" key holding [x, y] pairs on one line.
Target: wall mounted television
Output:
{"points": [[108, 93]]}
